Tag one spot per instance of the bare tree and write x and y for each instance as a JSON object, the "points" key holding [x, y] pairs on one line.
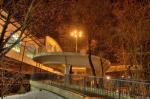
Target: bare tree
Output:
{"points": [[11, 18], [133, 31], [19, 13]]}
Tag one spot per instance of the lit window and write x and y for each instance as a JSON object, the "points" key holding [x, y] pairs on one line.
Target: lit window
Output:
{"points": [[12, 40]]}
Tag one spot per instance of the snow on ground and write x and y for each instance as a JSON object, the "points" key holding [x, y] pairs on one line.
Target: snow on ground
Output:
{"points": [[35, 95]]}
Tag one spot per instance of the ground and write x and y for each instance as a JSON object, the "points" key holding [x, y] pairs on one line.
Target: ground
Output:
{"points": [[35, 95]]}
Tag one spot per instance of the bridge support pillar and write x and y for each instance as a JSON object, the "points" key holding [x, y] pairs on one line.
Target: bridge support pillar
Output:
{"points": [[67, 76]]}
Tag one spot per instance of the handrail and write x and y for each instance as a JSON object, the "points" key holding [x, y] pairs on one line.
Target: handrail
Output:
{"points": [[96, 86], [119, 79]]}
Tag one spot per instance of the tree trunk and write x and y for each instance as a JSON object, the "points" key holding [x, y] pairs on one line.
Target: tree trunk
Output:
{"points": [[2, 77], [91, 63]]}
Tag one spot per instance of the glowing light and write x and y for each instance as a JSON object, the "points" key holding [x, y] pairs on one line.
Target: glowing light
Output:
{"points": [[80, 34], [117, 90], [76, 34], [80, 68], [72, 34], [122, 76], [108, 77], [15, 36]]}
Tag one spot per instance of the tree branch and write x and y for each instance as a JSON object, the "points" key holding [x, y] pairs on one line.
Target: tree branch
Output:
{"points": [[4, 28], [8, 38]]}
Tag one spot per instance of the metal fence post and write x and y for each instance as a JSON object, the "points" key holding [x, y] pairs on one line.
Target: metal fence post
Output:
{"points": [[84, 84]]}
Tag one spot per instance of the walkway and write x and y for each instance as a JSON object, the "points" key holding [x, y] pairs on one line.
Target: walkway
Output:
{"points": [[93, 86], [35, 95]]}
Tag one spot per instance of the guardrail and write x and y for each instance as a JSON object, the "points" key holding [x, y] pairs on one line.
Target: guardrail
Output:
{"points": [[96, 86]]}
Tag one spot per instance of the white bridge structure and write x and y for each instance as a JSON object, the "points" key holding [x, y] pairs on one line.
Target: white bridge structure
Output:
{"points": [[78, 61]]}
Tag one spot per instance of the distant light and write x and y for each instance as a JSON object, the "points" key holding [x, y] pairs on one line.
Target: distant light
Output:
{"points": [[108, 77], [76, 33], [72, 34], [117, 90], [15, 36], [80, 34], [75, 36], [80, 68], [122, 76], [129, 77]]}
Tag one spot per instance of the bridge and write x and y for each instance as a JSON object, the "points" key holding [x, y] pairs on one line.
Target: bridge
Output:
{"points": [[81, 86]]}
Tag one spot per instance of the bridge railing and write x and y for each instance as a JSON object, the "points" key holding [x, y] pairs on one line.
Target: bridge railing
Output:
{"points": [[97, 86]]}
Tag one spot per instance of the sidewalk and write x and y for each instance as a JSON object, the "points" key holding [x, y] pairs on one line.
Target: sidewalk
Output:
{"points": [[35, 95]]}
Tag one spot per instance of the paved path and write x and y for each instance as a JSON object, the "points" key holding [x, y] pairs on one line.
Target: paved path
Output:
{"points": [[35, 95]]}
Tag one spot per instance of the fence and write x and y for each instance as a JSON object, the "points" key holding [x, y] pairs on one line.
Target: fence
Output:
{"points": [[96, 86]]}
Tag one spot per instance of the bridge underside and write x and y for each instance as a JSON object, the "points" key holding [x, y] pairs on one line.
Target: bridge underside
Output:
{"points": [[13, 65]]}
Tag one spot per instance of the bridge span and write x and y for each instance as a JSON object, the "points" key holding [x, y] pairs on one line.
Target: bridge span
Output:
{"points": [[80, 86]]}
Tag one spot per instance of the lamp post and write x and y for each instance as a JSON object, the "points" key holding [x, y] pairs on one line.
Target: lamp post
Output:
{"points": [[76, 34]]}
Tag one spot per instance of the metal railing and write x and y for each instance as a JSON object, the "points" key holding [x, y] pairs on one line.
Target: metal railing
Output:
{"points": [[96, 86]]}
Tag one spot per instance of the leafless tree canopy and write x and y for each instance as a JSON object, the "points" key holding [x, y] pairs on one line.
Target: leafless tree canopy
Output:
{"points": [[120, 28], [18, 13]]}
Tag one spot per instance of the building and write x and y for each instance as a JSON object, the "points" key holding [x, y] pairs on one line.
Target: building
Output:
{"points": [[18, 63]]}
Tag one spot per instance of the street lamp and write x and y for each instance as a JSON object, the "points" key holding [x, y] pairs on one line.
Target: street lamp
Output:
{"points": [[76, 34]]}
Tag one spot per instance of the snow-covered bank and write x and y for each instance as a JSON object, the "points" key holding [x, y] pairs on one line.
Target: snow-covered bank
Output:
{"points": [[35, 95]]}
